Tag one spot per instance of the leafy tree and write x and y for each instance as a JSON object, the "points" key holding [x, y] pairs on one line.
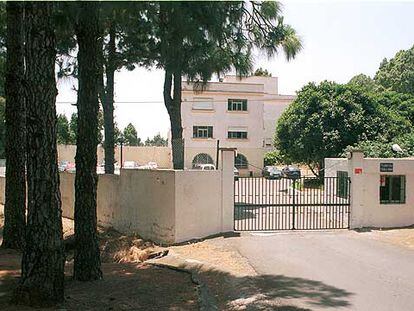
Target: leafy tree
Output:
{"points": [[14, 130], [262, 72], [130, 136], [42, 279], [157, 140], [273, 158], [397, 74], [185, 41], [326, 118], [383, 148], [87, 263], [73, 128], [402, 104], [63, 131], [363, 81]]}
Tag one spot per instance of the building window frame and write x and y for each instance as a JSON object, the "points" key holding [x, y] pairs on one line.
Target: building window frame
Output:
{"points": [[241, 162], [392, 189], [203, 131], [237, 135], [237, 105], [207, 104]]}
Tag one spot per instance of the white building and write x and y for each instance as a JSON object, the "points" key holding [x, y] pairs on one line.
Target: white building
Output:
{"points": [[237, 113]]}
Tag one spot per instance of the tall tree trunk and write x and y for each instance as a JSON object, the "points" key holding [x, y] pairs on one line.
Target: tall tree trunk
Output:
{"points": [[173, 105], [108, 103], [87, 263], [43, 259], [15, 205]]}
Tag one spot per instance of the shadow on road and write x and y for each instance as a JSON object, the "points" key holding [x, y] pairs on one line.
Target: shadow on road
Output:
{"points": [[272, 292]]}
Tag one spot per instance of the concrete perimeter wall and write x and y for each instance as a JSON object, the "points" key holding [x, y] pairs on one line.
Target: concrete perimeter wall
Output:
{"points": [[365, 174], [166, 206], [142, 155]]}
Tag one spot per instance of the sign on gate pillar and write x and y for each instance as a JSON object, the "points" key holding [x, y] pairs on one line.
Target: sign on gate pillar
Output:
{"points": [[227, 188]]}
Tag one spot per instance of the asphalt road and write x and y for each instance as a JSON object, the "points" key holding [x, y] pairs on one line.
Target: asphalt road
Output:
{"points": [[336, 270]]}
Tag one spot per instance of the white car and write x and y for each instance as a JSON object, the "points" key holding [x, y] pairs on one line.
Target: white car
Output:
{"points": [[130, 165], [205, 167]]}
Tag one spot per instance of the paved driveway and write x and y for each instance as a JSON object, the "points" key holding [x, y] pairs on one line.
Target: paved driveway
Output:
{"points": [[337, 270]]}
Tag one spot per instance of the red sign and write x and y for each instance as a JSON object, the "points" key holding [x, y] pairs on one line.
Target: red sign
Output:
{"points": [[358, 170]]}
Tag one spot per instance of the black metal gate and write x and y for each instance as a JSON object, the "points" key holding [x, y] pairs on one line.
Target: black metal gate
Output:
{"points": [[284, 204]]}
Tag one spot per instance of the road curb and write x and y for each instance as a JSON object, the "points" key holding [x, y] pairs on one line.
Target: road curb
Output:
{"points": [[206, 301]]}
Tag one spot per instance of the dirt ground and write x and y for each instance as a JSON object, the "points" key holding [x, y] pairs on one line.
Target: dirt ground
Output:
{"points": [[128, 283]]}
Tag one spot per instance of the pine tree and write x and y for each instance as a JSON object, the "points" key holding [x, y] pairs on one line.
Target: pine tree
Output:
{"points": [[15, 203], [42, 280], [87, 263]]}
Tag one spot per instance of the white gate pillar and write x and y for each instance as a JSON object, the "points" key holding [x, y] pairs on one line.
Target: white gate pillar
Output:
{"points": [[227, 189], [357, 172]]}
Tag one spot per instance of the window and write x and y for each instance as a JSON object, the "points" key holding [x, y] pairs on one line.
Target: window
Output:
{"points": [[203, 103], [237, 105], [342, 184], [392, 189], [237, 133], [202, 131], [202, 158], [240, 161]]}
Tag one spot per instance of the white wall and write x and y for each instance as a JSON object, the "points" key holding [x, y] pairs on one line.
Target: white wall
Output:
{"points": [[166, 206], [366, 210]]}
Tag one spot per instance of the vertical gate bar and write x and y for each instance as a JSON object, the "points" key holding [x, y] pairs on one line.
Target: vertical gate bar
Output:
{"points": [[294, 209]]}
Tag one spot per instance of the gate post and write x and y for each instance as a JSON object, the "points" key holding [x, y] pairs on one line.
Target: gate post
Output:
{"points": [[227, 189], [356, 172]]}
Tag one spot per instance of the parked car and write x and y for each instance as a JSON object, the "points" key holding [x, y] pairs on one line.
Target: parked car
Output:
{"points": [[70, 167], [130, 165], [236, 173], [149, 166], [272, 172], [62, 165], [205, 167], [152, 165], [291, 171]]}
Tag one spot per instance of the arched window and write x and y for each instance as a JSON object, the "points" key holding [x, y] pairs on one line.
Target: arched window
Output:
{"points": [[202, 158], [240, 161]]}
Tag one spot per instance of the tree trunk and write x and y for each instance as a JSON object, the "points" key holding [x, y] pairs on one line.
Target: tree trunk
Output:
{"points": [[15, 203], [108, 104], [173, 105], [87, 263], [42, 281]]}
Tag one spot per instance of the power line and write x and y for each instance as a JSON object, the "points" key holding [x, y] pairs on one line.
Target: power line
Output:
{"points": [[162, 102]]}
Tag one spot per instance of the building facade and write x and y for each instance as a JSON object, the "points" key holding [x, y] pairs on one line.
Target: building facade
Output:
{"points": [[239, 113]]}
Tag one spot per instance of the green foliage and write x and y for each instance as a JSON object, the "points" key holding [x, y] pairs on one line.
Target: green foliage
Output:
{"points": [[326, 118], [63, 130], [262, 72], [363, 81], [382, 148], [130, 136], [67, 130], [273, 158], [397, 74], [157, 140]]}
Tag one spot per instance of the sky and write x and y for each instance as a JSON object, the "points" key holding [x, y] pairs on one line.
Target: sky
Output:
{"points": [[340, 39]]}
